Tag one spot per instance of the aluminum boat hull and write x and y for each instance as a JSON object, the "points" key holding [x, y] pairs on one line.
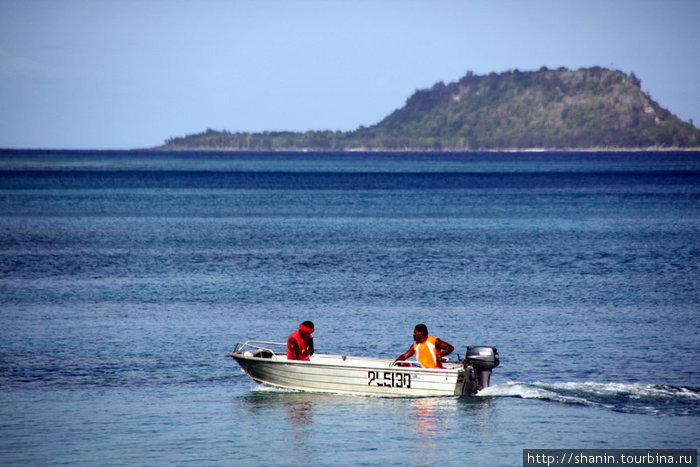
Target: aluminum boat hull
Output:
{"points": [[351, 375]]}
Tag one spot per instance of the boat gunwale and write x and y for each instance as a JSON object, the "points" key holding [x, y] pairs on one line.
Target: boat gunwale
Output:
{"points": [[346, 363]]}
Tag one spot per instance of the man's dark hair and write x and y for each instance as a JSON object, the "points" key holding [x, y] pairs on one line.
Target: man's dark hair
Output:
{"points": [[422, 328], [309, 324]]}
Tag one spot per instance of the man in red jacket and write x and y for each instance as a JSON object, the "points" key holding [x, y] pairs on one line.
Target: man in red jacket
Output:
{"points": [[300, 343]]}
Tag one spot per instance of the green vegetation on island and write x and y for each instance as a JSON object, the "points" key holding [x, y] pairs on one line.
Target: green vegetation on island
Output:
{"points": [[546, 109]]}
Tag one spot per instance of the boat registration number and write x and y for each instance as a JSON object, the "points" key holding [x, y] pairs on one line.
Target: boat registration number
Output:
{"points": [[389, 379]]}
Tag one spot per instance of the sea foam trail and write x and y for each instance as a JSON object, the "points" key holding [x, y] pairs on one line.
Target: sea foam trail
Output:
{"points": [[621, 397]]}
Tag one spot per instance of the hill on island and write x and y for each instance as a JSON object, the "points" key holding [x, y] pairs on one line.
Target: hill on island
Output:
{"points": [[546, 109]]}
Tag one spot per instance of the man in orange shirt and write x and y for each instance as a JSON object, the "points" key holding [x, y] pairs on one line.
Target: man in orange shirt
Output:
{"points": [[429, 350]]}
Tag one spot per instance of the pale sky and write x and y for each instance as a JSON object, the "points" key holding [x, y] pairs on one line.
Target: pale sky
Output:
{"points": [[96, 74]]}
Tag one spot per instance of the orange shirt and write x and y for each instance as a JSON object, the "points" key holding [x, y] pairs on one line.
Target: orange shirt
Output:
{"points": [[426, 353]]}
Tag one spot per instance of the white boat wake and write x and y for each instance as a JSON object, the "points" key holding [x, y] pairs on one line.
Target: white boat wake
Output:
{"points": [[640, 398]]}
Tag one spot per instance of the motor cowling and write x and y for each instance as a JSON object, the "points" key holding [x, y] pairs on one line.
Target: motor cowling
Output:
{"points": [[478, 364]]}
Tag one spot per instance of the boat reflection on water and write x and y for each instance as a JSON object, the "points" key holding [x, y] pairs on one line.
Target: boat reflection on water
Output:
{"points": [[429, 413], [352, 423], [427, 426], [299, 413]]}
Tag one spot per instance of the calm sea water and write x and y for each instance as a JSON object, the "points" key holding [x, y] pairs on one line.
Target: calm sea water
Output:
{"points": [[126, 278]]}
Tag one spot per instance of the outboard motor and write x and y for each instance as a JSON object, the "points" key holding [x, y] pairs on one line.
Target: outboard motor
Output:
{"points": [[478, 365]]}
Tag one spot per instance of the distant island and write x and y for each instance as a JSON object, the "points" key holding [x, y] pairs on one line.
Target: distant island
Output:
{"points": [[589, 108]]}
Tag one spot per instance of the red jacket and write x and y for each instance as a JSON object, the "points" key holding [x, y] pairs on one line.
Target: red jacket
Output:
{"points": [[301, 344]]}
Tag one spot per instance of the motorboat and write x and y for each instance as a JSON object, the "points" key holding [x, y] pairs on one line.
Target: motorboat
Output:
{"points": [[343, 374]]}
